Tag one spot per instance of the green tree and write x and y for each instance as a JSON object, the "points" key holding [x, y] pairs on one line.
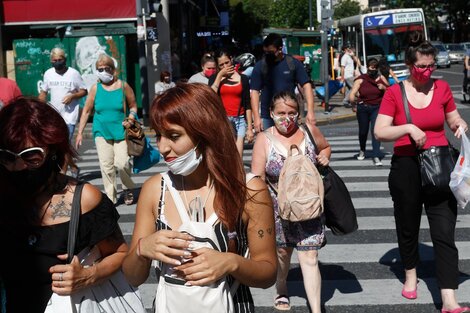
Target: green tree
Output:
{"points": [[290, 14], [246, 19], [346, 8]]}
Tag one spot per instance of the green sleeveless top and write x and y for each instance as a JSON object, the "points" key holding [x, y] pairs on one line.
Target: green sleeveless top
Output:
{"points": [[109, 115]]}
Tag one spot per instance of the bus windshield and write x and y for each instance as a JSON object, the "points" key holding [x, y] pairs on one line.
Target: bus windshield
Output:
{"points": [[389, 42]]}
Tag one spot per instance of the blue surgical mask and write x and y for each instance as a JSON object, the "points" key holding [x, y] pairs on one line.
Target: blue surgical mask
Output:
{"points": [[185, 164]]}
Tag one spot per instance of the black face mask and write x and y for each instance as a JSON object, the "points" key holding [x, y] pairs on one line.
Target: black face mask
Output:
{"points": [[58, 65], [372, 73], [270, 58], [29, 181]]}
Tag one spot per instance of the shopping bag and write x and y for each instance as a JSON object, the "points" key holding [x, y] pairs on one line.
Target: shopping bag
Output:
{"points": [[149, 158], [460, 176]]}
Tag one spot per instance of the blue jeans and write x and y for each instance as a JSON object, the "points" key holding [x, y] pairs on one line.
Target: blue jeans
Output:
{"points": [[366, 115], [71, 130]]}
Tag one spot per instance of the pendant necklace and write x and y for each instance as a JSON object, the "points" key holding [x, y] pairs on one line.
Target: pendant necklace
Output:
{"points": [[194, 207]]}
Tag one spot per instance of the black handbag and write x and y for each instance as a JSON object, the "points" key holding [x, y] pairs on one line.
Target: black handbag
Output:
{"points": [[435, 163], [340, 214]]}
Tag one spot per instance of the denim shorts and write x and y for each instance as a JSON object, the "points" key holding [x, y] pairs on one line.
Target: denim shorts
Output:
{"points": [[239, 125]]}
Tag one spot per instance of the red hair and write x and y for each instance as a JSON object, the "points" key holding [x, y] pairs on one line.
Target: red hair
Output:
{"points": [[31, 121], [198, 109]]}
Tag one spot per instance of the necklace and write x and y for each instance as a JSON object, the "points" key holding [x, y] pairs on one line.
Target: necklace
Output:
{"points": [[196, 209]]}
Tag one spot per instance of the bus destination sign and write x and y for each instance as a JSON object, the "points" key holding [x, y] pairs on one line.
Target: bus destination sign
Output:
{"points": [[392, 19], [408, 17]]}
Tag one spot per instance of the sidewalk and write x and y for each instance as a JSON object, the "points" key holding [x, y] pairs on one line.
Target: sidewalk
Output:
{"points": [[338, 114]]}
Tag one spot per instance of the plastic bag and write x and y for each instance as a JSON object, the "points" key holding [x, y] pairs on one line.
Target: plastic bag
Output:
{"points": [[460, 176]]}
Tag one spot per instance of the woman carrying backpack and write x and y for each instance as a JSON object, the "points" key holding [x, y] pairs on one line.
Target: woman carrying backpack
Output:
{"points": [[196, 140], [306, 236]]}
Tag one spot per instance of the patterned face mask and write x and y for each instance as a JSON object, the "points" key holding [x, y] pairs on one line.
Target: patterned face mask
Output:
{"points": [[285, 124]]}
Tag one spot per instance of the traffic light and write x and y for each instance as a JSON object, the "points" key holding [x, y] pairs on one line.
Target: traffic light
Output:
{"points": [[155, 6]]}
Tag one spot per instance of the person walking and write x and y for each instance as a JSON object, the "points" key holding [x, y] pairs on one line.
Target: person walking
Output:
{"points": [[110, 98], [386, 71], [209, 68], [66, 88], [369, 89], [466, 68], [306, 236], [196, 140], [431, 104], [347, 73], [234, 91], [277, 72], [164, 83], [34, 145]]}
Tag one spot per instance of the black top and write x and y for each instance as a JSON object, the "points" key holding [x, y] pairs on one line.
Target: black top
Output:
{"points": [[28, 253]]}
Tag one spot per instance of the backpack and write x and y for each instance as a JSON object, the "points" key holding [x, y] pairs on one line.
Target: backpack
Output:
{"points": [[300, 189], [172, 295]]}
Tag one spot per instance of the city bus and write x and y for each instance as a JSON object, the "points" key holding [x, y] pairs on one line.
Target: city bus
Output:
{"points": [[383, 34]]}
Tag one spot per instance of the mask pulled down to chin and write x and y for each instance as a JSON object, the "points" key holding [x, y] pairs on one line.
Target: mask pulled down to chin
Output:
{"points": [[186, 164]]}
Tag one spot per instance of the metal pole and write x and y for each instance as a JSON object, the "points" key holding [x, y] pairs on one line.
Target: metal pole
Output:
{"points": [[310, 17], [142, 58]]}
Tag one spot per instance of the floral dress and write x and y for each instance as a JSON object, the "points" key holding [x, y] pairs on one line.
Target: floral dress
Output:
{"points": [[305, 235]]}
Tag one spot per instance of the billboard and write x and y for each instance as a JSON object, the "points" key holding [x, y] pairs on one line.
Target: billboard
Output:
{"points": [[19, 12]]}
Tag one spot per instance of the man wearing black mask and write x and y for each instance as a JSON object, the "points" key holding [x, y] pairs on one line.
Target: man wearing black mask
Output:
{"points": [[275, 73], [66, 87]]}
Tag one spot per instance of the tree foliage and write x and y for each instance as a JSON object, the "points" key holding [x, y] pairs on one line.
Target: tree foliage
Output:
{"points": [[247, 19], [346, 8], [291, 14]]}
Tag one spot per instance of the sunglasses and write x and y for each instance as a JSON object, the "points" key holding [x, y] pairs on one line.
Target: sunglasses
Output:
{"points": [[107, 69], [32, 157], [429, 66]]}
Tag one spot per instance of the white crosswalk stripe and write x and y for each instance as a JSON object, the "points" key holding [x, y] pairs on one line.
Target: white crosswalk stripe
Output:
{"points": [[361, 269]]}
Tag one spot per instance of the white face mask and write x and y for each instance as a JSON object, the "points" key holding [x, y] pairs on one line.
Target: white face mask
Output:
{"points": [[105, 77], [185, 164]]}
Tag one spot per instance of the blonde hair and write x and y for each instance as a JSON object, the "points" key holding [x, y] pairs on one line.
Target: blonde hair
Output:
{"points": [[106, 60], [58, 52]]}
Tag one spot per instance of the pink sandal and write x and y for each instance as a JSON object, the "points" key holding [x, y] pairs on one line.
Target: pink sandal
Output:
{"points": [[457, 310]]}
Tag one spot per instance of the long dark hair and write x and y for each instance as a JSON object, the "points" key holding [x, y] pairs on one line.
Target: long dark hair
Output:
{"points": [[198, 109]]}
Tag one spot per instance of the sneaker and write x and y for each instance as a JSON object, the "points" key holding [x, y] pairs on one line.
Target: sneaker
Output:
{"points": [[361, 156], [377, 161]]}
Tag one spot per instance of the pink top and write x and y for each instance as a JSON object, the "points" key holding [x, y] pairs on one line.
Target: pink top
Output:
{"points": [[429, 119]]}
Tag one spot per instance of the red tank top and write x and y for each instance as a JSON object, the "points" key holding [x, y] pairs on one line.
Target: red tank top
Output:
{"points": [[231, 96]]}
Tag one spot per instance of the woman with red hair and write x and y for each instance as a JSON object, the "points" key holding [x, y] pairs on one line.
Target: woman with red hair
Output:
{"points": [[36, 208], [196, 140]]}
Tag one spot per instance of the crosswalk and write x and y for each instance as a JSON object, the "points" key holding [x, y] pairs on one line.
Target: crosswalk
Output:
{"points": [[361, 272]]}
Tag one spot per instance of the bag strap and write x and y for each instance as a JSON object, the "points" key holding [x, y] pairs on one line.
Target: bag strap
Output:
{"points": [[405, 103], [177, 199], [74, 219], [310, 136]]}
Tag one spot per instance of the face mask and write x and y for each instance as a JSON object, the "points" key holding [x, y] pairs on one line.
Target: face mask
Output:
{"points": [[167, 80], [270, 58], [421, 74], [372, 73], [29, 181], [105, 77], [185, 164], [209, 73], [58, 65], [284, 124]]}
